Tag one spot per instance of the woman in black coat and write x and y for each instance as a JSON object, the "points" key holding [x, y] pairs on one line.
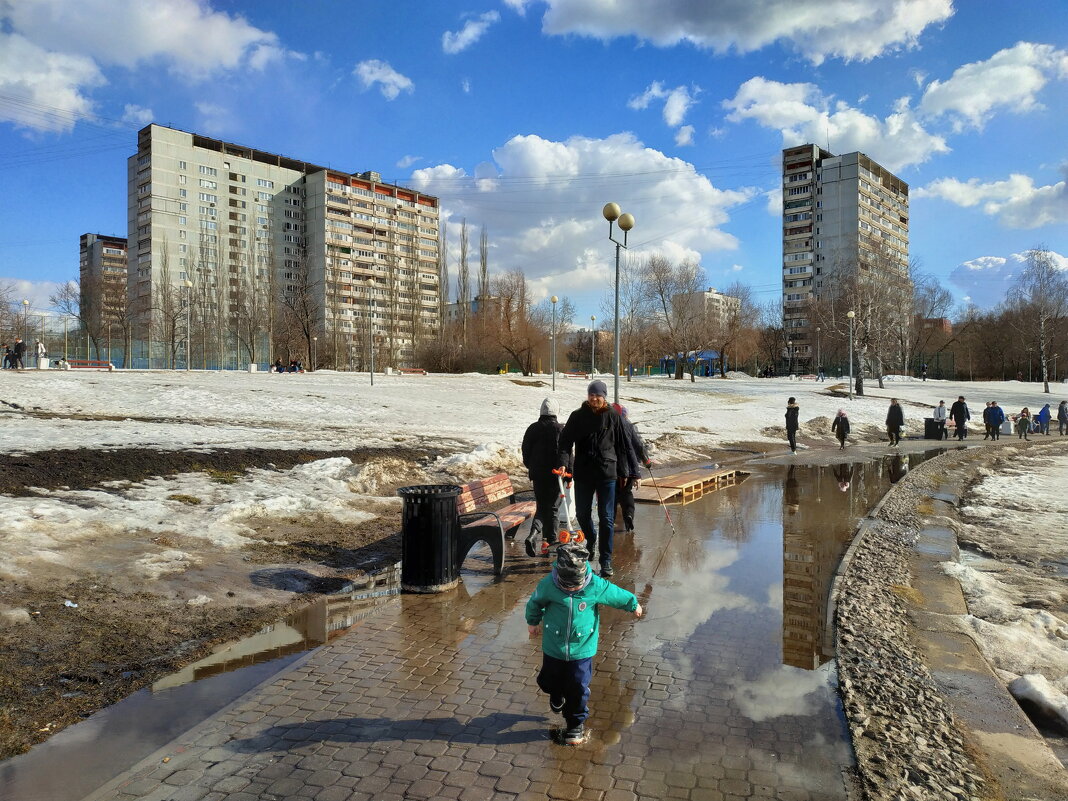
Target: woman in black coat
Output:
{"points": [[791, 423], [840, 428], [895, 418]]}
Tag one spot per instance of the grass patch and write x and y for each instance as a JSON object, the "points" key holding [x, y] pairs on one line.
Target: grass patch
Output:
{"points": [[190, 500], [909, 594], [223, 476]]}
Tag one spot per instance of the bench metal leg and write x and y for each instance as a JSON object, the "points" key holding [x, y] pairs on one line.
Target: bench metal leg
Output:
{"points": [[493, 536]]}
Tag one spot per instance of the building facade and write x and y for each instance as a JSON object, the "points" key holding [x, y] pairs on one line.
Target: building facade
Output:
{"points": [[238, 255], [713, 306], [102, 278], [841, 216]]}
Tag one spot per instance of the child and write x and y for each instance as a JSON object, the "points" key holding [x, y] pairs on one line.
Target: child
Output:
{"points": [[840, 427], [566, 603]]}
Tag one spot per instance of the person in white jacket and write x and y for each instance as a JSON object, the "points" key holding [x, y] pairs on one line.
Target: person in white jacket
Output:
{"points": [[42, 355], [941, 413]]}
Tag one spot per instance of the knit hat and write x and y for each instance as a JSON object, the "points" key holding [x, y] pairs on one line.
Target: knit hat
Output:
{"points": [[550, 406], [572, 564], [597, 388]]}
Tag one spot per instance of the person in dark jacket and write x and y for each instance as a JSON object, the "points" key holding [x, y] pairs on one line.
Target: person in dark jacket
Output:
{"points": [[986, 422], [637, 457], [1062, 417], [792, 410], [1042, 420], [541, 455], [7, 356], [895, 418], [960, 414], [17, 354], [840, 428], [997, 417], [595, 431]]}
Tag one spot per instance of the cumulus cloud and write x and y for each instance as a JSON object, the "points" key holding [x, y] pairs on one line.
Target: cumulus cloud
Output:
{"points": [[38, 293], [214, 119], [408, 161], [1016, 201], [986, 280], [390, 82], [137, 115], [802, 113], [541, 200], [684, 136], [785, 690], [471, 32], [1010, 79], [53, 52], [677, 101], [847, 29]]}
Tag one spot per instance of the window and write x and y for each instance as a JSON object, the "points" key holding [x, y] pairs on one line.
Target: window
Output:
{"points": [[265, 182], [208, 184], [181, 234], [182, 193], [181, 179], [207, 211], [183, 220], [208, 171], [210, 225], [183, 207], [263, 196], [206, 198], [182, 165]]}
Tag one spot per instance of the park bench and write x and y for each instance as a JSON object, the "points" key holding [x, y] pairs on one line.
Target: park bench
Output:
{"points": [[482, 525], [411, 371], [98, 364], [576, 374]]}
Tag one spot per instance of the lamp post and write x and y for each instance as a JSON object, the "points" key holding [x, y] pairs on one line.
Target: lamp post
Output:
{"points": [[851, 315], [790, 354], [613, 213], [1054, 368], [1029, 352], [188, 321], [552, 359], [315, 341], [64, 337], [819, 361], [593, 344]]}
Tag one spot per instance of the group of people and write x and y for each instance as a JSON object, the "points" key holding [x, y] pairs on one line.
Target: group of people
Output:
{"points": [[14, 355], [294, 366]]}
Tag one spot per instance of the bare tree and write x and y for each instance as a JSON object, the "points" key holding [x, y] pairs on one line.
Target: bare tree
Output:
{"points": [[638, 333], [671, 292], [1040, 297], [737, 320], [443, 277], [463, 284], [522, 331], [299, 304]]}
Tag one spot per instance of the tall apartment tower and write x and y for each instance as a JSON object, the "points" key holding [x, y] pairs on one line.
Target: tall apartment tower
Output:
{"points": [[102, 278], [228, 243], [839, 214]]}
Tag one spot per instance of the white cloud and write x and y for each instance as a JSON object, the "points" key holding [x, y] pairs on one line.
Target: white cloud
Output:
{"points": [[44, 91], [137, 114], [677, 101], [774, 197], [1016, 201], [471, 32], [408, 161], [214, 119], [391, 83], [541, 202], [802, 113], [684, 136], [736, 268], [785, 690], [36, 292], [986, 280], [1010, 79], [847, 29], [519, 6], [465, 84]]}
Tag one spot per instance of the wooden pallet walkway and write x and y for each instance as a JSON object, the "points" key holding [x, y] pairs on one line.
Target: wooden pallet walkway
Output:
{"points": [[688, 486]]}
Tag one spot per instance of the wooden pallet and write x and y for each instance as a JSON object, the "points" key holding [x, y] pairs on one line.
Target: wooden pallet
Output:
{"points": [[687, 487]]}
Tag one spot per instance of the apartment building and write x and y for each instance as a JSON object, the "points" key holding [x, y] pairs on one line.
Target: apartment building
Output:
{"points": [[240, 242], [840, 215], [102, 278], [715, 307]]}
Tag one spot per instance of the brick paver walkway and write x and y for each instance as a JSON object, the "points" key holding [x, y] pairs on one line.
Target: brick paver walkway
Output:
{"points": [[434, 698]]}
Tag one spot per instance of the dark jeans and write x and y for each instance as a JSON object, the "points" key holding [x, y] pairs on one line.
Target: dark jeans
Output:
{"points": [[601, 536], [547, 497], [894, 432], [791, 435], [570, 681], [1062, 426], [626, 501], [962, 429]]}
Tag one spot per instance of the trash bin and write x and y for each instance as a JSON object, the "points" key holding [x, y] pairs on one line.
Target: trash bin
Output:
{"points": [[931, 429], [430, 530]]}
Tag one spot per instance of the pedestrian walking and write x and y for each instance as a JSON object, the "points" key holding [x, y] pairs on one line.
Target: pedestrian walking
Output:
{"points": [[1062, 417], [542, 455], [1023, 424], [42, 354], [923, 372], [18, 353], [986, 421], [595, 431], [960, 414], [941, 414], [840, 428], [637, 457], [7, 357], [895, 418], [792, 410], [564, 610], [820, 375], [1042, 420], [997, 417]]}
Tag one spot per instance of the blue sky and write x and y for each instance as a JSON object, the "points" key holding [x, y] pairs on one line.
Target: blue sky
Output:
{"points": [[526, 116]]}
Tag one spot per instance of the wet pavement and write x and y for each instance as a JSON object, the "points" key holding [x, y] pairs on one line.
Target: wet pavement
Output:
{"points": [[726, 689]]}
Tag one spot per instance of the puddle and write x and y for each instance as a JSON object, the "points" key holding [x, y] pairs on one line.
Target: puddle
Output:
{"points": [[94, 751]]}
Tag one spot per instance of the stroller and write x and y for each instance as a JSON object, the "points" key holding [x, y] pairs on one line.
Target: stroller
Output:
{"points": [[568, 530]]}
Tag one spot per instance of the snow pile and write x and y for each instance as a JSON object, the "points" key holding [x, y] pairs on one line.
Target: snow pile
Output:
{"points": [[377, 474], [154, 565], [483, 461], [1047, 698]]}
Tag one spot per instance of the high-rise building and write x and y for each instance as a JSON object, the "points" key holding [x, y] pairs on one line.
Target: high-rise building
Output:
{"points": [[842, 216], [229, 243], [102, 278], [712, 305]]}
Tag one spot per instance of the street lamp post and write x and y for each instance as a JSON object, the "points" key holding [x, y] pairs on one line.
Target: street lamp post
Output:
{"points": [[1029, 352], [819, 361], [188, 322], [613, 213], [315, 341], [790, 354], [593, 344], [552, 359], [850, 315], [64, 338]]}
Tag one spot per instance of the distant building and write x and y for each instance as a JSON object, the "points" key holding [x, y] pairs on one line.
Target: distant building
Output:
{"points": [[838, 213], [102, 270], [714, 306]]}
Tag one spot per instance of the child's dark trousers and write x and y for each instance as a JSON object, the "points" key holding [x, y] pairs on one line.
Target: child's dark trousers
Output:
{"points": [[570, 681]]}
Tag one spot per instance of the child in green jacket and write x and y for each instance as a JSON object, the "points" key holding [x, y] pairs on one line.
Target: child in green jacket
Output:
{"points": [[565, 605]]}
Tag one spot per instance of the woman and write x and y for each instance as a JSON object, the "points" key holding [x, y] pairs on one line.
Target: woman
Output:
{"points": [[840, 428], [1023, 423], [1062, 417], [791, 423]]}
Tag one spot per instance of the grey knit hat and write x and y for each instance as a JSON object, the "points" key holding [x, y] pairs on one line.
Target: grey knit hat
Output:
{"points": [[597, 388], [550, 406], [572, 563]]}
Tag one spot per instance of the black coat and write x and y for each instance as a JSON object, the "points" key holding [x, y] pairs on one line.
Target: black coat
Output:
{"points": [[840, 425], [895, 415], [791, 417], [959, 412], [541, 448], [20, 348], [600, 444]]}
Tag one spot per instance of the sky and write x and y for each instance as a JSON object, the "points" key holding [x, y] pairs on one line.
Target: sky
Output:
{"points": [[526, 116]]}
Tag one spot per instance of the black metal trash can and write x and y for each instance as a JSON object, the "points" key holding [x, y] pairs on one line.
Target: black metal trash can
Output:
{"points": [[931, 428], [430, 529]]}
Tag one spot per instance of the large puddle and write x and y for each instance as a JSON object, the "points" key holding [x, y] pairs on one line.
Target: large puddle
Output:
{"points": [[734, 644]]}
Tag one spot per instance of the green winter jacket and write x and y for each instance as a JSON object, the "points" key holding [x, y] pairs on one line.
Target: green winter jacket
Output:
{"points": [[571, 620]]}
